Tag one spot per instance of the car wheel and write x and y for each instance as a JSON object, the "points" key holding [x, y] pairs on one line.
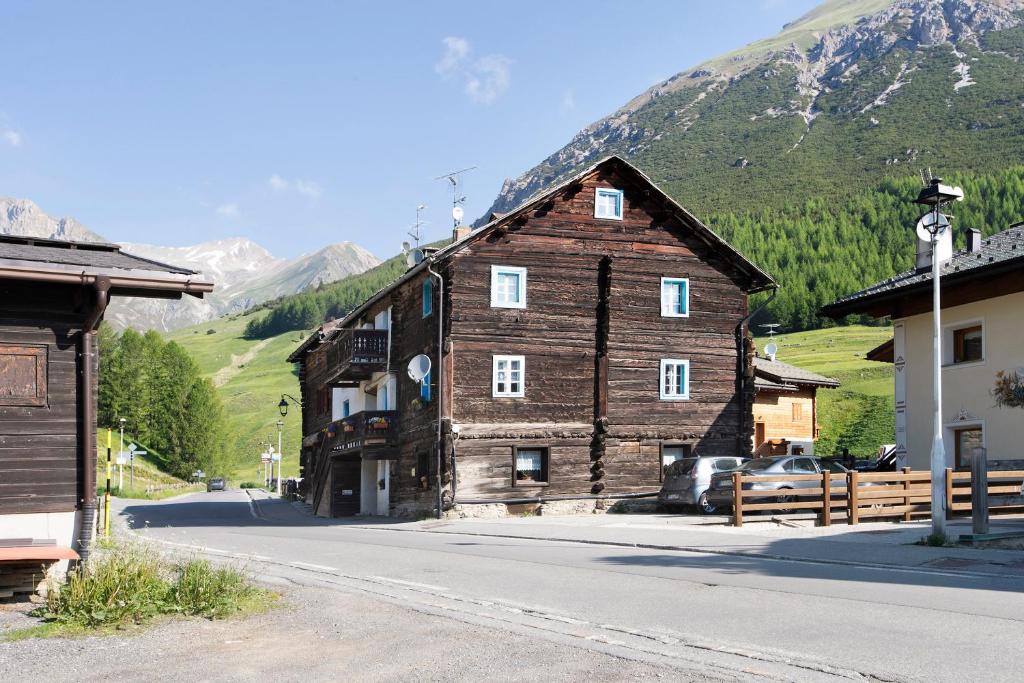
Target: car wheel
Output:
{"points": [[785, 498], [705, 506]]}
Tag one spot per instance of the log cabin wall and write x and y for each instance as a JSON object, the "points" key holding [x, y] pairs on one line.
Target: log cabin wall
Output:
{"points": [[562, 246], [786, 415], [40, 411]]}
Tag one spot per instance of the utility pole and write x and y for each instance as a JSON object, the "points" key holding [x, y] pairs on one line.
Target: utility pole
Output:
{"points": [[280, 456]]}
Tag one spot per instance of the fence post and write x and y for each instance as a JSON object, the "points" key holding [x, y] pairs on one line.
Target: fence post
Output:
{"points": [[949, 492], [979, 491], [906, 495], [737, 499], [826, 498], [852, 500]]}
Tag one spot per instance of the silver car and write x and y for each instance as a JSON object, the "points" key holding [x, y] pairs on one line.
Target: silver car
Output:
{"points": [[687, 481]]}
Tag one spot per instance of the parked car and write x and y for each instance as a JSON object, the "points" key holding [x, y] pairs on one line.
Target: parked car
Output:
{"points": [[686, 481], [216, 484], [720, 493]]}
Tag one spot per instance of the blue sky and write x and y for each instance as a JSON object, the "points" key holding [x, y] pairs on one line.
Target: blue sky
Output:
{"points": [[297, 124]]}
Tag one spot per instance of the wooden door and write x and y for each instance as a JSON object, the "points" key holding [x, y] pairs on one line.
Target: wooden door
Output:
{"points": [[345, 485], [758, 434]]}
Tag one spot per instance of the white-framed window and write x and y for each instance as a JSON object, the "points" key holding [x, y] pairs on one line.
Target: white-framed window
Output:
{"points": [[508, 287], [509, 377], [675, 297], [608, 203], [675, 379]]}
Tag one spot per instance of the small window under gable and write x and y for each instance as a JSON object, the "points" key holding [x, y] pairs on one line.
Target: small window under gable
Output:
{"points": [[608, 203], [509, 377], [428, 297], [675, 379], [675, 297], [508, 287]]}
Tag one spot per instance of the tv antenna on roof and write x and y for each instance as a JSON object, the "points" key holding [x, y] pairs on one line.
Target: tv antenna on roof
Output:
{"points": [[771, 328], [455, 178], [416, 233]]}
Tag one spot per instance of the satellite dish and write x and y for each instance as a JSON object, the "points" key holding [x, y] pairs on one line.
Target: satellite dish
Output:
{"points": [[413, 257], [458, 213], [405, 247], [771, 349], [419, 367], [927, 225]]}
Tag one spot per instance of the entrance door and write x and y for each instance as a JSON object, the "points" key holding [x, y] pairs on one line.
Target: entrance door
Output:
{"points": [[965, 441], [758, 434], [345, 484]]}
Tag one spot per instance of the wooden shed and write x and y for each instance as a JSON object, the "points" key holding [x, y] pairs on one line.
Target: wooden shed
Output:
{"points": [[53, 295]]}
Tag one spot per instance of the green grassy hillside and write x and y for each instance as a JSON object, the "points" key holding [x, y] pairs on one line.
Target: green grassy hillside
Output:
{"points": [[859, 415], [250, 376]]}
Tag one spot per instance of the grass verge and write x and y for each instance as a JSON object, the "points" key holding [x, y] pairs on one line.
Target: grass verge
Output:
{"points": [[129, 584]]}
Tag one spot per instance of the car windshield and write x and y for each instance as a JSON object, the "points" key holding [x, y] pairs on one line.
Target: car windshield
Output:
{"points": [[758, 464], [682, 467], [836, 468]]}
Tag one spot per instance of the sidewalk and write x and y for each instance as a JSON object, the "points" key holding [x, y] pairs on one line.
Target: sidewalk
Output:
{"points": [[889, 545]]}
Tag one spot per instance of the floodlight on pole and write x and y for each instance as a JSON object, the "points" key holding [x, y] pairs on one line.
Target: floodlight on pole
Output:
{"points": [[933, 226]]}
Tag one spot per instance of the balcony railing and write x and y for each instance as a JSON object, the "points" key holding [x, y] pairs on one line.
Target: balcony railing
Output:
{"points": [[357, 354], [366, 428]]}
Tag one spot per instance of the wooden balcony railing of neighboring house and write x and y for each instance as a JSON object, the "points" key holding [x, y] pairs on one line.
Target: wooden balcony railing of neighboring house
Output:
{"points": [[356, 354], [366, 428]]}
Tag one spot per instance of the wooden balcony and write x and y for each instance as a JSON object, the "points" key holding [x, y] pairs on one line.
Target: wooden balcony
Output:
{"points": [[369, 429], [356, 354]]}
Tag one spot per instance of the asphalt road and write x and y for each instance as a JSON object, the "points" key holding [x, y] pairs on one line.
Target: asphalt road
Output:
{"points": [[697, 614]]}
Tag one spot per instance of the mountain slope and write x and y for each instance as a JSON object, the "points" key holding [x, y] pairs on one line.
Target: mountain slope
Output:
{"points": [[22, 217], [850, 93], [245, 274]]}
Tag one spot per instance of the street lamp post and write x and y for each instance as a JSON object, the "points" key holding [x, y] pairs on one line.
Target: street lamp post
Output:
{"points": [[280, 456], [935, 195]]}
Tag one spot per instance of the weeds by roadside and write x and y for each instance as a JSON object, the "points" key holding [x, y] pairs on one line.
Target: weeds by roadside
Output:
{"points": [[127, 584]]}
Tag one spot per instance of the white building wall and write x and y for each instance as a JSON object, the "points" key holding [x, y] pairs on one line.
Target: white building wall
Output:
{"points": [[967, 388]]}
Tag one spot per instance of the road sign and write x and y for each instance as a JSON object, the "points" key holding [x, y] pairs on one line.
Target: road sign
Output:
{"points": [[199, 474], [275, 457], [122, 458], [264, 457], [132, 447], [134, 453]]}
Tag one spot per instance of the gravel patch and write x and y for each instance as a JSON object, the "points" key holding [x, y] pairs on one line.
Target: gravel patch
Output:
{"points": [[317, 634]]}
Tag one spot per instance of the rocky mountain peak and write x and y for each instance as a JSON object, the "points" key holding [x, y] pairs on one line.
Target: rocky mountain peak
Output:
{"points": [[23, 217]]}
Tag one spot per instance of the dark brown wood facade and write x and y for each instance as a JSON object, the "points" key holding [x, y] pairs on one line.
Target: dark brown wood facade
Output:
{"points": [[40, 413], [592, 336]]}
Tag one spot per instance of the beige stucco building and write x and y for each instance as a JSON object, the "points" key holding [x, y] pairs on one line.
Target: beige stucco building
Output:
{"points": [[982, 326]]}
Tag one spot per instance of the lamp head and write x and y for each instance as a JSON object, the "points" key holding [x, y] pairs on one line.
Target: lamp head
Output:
{"points": [[283, 407], [937, 193]]}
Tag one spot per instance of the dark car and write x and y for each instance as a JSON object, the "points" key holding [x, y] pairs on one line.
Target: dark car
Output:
{"points": [[687, 481], [721, 491], [216, 484]]}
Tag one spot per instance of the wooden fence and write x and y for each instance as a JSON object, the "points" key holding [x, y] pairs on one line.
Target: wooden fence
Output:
{"points": [[870, 495]]}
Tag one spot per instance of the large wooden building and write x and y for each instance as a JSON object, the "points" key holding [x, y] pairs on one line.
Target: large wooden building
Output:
{"points": [[578, 344], [52, 297]]}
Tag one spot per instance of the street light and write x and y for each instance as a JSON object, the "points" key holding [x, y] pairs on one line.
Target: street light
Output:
{"points": [[283, 405], [934, 226]]}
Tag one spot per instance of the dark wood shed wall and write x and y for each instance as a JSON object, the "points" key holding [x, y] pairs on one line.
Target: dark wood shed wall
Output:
{"points": [[561, 245], [40, 468]]}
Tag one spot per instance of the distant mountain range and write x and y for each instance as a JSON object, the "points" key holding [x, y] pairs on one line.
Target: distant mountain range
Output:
{"points": [[852, 92], [245, 273]]}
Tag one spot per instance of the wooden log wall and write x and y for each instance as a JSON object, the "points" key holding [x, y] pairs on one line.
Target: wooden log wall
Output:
{"points": [[593, 287], [39, 444]]}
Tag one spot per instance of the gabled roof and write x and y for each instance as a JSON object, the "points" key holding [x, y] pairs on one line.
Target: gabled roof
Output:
{"points": [[33, 258], [1002, 251], [759, 280], [771, 374]]}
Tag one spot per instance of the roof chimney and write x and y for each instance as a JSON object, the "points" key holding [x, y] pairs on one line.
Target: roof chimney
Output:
{"points": [[973, 240], [461, 231]]}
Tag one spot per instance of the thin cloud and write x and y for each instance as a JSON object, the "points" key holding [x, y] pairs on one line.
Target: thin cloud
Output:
{"points": [[484, 79], [229, 210], [12, 138], [306, 188], [568, 102]]}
